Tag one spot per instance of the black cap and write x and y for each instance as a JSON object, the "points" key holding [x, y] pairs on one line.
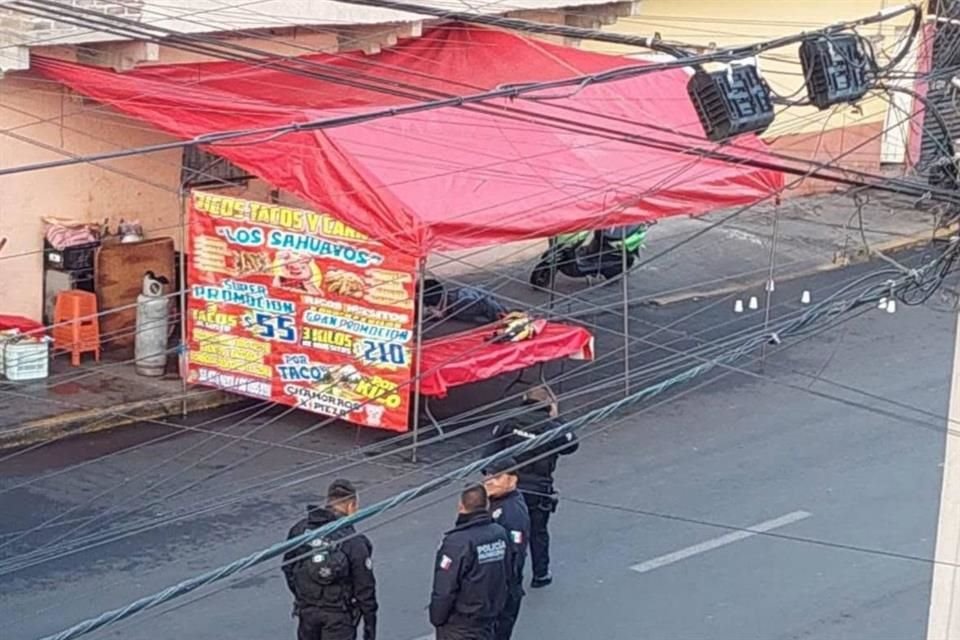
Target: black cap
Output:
{"points": [[503, 465], [341, 489]]}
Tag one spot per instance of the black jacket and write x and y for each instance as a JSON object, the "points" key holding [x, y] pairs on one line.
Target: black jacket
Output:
{"points": [[358, 592], [536, 466], [510, 512], [471, 573]]}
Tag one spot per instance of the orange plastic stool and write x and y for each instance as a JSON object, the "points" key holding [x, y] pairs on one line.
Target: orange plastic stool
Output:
{"points": [[76, 324]]}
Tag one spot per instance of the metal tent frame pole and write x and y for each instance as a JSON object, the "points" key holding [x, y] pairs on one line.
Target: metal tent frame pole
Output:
{"points": [[771, 283], [625, 290], [418, 314], [553, 273], [184, 352]]}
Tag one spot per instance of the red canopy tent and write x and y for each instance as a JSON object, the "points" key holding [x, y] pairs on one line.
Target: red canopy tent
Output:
{"points": [[451, 177]]}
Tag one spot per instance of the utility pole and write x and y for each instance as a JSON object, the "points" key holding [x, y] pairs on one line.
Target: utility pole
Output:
{"points": [[943, 622]]}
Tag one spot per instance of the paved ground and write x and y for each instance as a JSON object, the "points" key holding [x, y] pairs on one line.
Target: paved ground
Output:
{"points": [[742, 451]]}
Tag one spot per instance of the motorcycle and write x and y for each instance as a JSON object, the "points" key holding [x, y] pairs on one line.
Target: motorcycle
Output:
{"points": [[586, 254]]}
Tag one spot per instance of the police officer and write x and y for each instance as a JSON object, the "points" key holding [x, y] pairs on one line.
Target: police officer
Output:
{"points": [[331, 578], [509, 509], [471, 573], [536, 469]]}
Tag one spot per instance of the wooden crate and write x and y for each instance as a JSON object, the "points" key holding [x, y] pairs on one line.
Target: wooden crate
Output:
{"points": [[119, 275]]}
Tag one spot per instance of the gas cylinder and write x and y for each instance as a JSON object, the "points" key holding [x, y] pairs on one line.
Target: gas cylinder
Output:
{"points": [[153, 318]]}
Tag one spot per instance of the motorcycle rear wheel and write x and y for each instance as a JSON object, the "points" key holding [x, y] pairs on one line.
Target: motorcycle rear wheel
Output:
{"points": [[613, 271], [540, 276]]}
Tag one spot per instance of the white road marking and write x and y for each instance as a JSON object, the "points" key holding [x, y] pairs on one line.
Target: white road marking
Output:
{"points": [[429, 636], [710, 545]]}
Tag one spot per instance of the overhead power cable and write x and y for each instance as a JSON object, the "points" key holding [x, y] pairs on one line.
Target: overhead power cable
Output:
{"points": [[647, 336], [735, 213], [798, 326], [134, 29], [831, 298], [530, 26], [220, 43], [377, 64], [279, 130], [327, 421], [448, 494], [655, 44]]}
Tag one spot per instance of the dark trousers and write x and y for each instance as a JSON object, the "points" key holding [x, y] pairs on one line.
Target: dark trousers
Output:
{"points": [[540, 508], [463, 630], [326, 624], [507, 619]]}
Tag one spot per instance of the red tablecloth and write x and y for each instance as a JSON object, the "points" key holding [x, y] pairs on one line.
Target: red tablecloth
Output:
{"points": [[465, 357]]}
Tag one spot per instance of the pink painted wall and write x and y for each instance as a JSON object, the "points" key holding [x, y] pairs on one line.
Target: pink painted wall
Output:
{"points": [[40, 121], [40, 113]]}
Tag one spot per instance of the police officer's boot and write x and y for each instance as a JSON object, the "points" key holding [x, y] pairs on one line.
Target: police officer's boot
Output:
{"points": [[541, 581]]}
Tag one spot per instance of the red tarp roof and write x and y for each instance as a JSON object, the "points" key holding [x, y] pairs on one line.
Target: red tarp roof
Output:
{"points": [[448, 178]]}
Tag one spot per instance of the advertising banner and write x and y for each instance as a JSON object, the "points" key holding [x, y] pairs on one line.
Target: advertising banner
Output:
{"points": [[293, 306]]}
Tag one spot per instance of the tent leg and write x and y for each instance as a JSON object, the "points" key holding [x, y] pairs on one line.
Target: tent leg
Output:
{"points": [[183, 351], [430, 416], [770, 287], [417, 350], [626, 318], [553, 273]]}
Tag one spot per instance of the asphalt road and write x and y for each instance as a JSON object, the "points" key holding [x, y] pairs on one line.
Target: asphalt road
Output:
{"points": [[638, 550]]}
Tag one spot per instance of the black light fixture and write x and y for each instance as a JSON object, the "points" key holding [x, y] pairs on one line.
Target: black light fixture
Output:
{"points": [[731, 101], [836, 68]]}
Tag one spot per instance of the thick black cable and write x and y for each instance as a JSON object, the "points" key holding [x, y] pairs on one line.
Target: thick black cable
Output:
{"points": [[872, 275], [459, 101]]}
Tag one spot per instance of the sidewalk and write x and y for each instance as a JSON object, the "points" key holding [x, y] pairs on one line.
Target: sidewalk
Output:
{"points": [[92, 397], [814, 234]]}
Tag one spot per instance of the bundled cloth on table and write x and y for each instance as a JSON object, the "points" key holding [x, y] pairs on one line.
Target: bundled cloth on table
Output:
{"points": [[62, 234]]}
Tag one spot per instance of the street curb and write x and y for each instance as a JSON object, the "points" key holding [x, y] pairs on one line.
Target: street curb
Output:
{"points": [[839, 261], [93, 420]]}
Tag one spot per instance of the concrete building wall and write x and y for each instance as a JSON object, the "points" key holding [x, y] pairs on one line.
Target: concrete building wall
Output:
{"points": [[44, 123]]}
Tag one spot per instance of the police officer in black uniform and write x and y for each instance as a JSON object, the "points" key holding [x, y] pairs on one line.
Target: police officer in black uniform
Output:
{"points": [[536, 469], [509, 510], [471, 573], [331, 578]]}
